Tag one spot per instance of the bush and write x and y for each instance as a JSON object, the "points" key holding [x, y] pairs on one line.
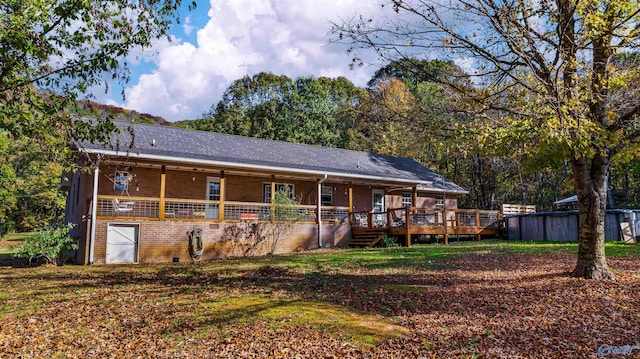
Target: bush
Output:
{"points": [[51, 244], [388, 242]]}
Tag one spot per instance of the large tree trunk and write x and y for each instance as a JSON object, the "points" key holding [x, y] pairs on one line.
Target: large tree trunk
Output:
{"points": [[590, 177]]}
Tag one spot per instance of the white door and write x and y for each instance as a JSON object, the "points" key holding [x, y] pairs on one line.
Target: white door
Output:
{"points": [[213, 194], [378, 200], [122, 243]]}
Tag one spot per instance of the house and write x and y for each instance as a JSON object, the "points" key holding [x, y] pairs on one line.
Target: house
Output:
{"points": [[151, 186]]}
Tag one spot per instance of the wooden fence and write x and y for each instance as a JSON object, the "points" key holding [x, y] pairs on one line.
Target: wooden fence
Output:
{"points": [[620, 224]]}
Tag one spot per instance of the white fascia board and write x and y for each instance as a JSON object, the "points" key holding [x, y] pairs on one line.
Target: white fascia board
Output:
{"points": [[258, 167]]}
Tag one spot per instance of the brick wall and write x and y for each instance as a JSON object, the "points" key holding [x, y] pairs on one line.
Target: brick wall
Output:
{"points": [[161, 241]]}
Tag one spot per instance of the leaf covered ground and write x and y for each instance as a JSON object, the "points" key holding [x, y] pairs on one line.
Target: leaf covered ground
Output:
{"points": [[472, 300]]}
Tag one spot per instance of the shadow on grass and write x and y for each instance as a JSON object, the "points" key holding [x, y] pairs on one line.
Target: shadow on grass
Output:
{"points": [[455, 293], [9, 260]]}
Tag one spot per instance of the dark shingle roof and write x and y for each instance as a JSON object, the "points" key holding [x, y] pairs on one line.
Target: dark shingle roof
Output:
{"points": [[161, 142]]}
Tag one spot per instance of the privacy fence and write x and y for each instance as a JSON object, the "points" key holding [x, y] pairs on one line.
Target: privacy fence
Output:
{"points": [[620, 225]]}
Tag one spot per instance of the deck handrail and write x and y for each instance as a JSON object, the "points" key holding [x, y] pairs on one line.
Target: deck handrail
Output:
{"points": [[199, 209], [427, 216]]}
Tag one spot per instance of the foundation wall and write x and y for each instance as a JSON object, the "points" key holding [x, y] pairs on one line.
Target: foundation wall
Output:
{"points": [[164, 241]]}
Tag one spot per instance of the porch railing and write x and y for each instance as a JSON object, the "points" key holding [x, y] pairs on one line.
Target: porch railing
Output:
{"points": [[128, 207], [185, 209], [425, 217]]}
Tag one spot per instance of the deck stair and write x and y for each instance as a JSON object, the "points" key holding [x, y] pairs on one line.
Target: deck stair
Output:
{"points": [[367, 237]]}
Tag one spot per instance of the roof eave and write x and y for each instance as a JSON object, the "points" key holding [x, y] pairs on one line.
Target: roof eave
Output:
{"points": [[262, 167]]}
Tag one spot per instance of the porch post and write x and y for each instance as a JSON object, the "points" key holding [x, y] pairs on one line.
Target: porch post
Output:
{"points": [[222, 191], [407, 219], [444, 221], [163, 184], [94, 210], [319, 209], [350, 197], [414, 196], [273, 199]]}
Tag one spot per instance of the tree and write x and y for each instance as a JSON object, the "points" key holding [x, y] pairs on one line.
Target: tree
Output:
{"points": [[545, 83], [315, 111], [413, 71], [53, 51], [388, 120], [53, 244]]}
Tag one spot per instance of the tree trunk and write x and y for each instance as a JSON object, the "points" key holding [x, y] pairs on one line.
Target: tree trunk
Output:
{"points": [[590, 177]]}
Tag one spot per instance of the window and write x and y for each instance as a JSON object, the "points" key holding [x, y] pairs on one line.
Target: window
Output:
{"points": [[326, 195], [280, 187], [407, 199], [213, 194], [213, 188], [440, 201]]}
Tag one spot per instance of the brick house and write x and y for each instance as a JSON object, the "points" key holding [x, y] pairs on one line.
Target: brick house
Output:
{"points": [[152, 185]]}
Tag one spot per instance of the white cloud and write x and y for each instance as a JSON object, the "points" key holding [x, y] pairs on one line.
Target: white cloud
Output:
{"points": [[467, 64], [244, 37], [187, 27]]}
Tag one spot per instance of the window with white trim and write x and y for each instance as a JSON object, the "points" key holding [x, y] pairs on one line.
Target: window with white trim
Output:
{"points": [[326, 195], [280, 187], [213, 188], [440, 201], [407, 199]]}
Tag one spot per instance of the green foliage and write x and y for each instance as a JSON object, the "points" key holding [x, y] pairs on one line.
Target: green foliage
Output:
{"points": [[53, 52], [316, 111], [30, 182], [286, 207], [52, 244], [388, 242], [414, 71]]}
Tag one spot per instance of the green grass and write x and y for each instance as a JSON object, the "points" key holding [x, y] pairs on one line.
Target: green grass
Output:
{"points": [[354, 326], [612, 249], [10, 242], [360, 297], [429, 256]]}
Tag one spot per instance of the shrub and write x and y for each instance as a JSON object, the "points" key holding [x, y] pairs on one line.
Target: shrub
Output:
{"points": [[389, 242], [53, 244]]}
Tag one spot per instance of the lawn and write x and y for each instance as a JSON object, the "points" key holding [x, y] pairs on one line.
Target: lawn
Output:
{"points": [[9, 242], [487, 299]]}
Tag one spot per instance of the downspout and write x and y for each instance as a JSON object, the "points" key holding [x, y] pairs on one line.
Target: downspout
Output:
{"points": [[320, 210], [94, 210]]}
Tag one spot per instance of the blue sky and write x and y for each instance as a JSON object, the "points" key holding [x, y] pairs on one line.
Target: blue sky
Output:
{"points": [[224, 40]]}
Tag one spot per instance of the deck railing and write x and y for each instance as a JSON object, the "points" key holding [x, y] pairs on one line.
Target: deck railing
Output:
{"points": [[190, 209], [128, 207], [425, 217], [186, 209]]}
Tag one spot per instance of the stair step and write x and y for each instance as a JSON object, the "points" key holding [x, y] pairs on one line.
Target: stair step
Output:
{"points": [[366, 236]]}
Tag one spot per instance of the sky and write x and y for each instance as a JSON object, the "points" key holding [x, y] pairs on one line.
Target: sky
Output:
{"points": [[223, 40]]}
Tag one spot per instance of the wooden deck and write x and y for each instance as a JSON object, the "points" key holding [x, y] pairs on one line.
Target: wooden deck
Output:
{"points": [[406, 222]]}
